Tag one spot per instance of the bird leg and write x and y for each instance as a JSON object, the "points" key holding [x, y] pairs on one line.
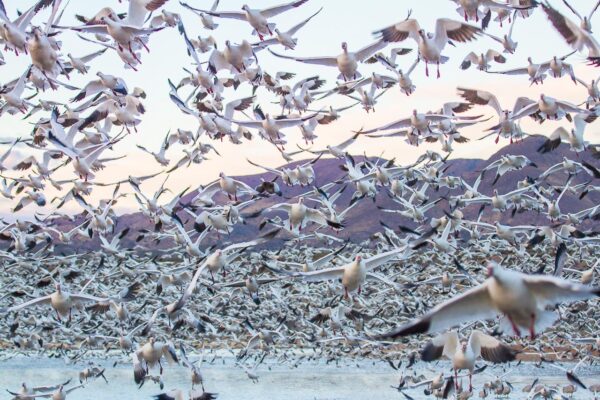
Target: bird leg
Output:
{"points": [[532, 327], [470, 381], [438, 70], [133, 54], [514, 326], [426, 69], [143, 44], [359, 289], [456, 379], [161, 368], [346, 293]]}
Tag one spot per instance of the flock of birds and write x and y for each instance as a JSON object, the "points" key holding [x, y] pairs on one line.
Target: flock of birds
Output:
{"points": [[154, 294]]}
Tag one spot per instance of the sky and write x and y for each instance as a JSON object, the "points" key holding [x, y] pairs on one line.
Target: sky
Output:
{"points": [[351, 21]]}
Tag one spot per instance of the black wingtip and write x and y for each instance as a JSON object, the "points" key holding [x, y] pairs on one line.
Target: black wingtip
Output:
{"points": [[431, 352], [413, 328]]}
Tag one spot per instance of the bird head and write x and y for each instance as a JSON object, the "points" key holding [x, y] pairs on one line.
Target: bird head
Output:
{"points": [[57, 287], [422, 33], [463, 345], [358, 258], [345, 47], [245, 7]]}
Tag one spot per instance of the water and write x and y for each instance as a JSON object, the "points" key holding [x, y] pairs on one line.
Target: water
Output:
{"points": [[309, 381]]}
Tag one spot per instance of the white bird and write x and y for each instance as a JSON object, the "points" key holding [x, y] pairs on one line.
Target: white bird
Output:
{"points": [[576, 36], [257, 18], [464, 354], [286, 39], [207, 20], [520, 297], [482, 60], [353, 274], [347, 62], [430, 46]]}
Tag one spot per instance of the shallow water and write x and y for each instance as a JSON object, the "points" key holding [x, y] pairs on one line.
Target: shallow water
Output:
{"points": [[276, 382]]}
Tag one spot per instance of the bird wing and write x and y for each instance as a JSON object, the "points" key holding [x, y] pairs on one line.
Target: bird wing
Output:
{"points": [[367, 51], [448, 29], [441, 345], [326, 258], [327, 61], [39, 300], [401, 123], [480, 97], [276, 10], [474, 304], [490, 348], [321, 275], [551, 290], [400, 31], [296, 28], [568, 29], [379, 259]]}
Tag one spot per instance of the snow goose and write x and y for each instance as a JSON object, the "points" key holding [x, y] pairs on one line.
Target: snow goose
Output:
{"points": [[353, 274], [13, 96], [482, 60], [522, 299], [575, 36], [548, 108], [430, 46], [536, 72], [207, 20], [14, 33], [62, 302], [28, 392], [464, 354], [299, 215], [235, 58], [347, 62], [404, 82], [592, 90], [104, 81], [80, 63], [470, 9], [416, 122], [510, 46], [138, 9], [286, 39], [339, 150], [126, 36], [507, 125], [573, 137], [152, 352], [585, 21], [60, 393], [257, 18], [270, 128]]}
